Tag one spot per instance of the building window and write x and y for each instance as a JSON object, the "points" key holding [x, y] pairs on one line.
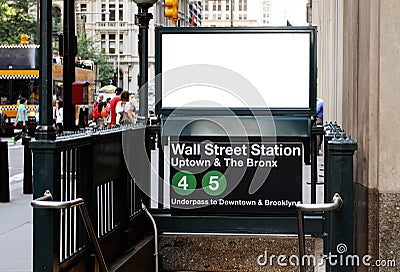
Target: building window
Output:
{"points": [[205, 16], [214, 17], [121, 43], [103, 12], [112, 12], [111, 43], [227, 17], [56, 16], [240, 16], [83, 8], [206, 6], [215, 5], [244, 17], [219, 16], [227, 5], [103, 43], [121, 12]]}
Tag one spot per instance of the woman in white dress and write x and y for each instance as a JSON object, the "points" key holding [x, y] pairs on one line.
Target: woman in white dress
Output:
{"points": [[125, 110]]}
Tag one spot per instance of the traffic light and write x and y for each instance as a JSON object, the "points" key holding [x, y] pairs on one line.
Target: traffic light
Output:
{"points": [[171, 11], [24, 39]]}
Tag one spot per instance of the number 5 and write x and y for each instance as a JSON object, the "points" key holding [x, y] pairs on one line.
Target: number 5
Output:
{"points": [[213, 183]]}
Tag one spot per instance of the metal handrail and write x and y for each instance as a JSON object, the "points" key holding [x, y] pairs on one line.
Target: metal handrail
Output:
{"points": [[45, 202], [334, 206]]}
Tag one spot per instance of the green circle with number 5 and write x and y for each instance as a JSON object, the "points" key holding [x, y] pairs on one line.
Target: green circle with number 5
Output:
{"points": [[184, 183], [214, 183]]}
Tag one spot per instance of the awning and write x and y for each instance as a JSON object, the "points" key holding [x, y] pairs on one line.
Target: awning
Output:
{"points": [[19, 74], [107, 89]]}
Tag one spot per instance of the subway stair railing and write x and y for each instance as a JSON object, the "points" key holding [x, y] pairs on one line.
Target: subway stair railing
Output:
{"points": [[88, 171], [336, 216], [301, 209], [46, 202], [339, 226]]}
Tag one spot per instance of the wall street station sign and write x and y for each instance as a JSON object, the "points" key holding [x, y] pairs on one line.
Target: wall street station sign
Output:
{"points": [[225, 177]]}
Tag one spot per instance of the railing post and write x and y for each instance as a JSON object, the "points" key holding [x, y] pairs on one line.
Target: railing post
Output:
{"points": [[46, 225], [4, 173], [340, 226], [330, 130], [27, 186], [316, 131], [87, 189]]}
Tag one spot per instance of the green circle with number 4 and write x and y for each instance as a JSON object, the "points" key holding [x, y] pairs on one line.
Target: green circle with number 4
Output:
{"points": [[184, 183], [214, 183]]}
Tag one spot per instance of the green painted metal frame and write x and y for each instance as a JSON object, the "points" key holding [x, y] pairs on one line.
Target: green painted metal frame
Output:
{"points": [[97, 165], [160, 31], [340, 226], [288, 123], [227, 126]]}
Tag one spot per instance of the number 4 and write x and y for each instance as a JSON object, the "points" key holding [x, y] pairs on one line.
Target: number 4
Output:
{"points": [[183, 183]]}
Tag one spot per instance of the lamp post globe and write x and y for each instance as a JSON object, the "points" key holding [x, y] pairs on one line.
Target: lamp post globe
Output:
{"points": [[146, 2]]}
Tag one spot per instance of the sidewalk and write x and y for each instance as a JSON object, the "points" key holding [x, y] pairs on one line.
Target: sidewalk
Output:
{"points": [[16, 231]]}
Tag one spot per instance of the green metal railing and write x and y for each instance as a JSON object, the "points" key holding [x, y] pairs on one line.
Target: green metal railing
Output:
{"points": [[338, 227], [46, 202], [89, 165]]}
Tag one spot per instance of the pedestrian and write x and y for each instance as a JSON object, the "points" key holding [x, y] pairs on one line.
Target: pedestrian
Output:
{"points": [[54, 112], [105, 111], [37, 115], [319, 120], [21, 120], [113, 105], [125, 110], [100, 105], [59, 117], [134, 103]]}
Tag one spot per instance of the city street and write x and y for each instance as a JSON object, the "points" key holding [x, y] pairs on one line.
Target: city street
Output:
{"points": [[15, 218]]}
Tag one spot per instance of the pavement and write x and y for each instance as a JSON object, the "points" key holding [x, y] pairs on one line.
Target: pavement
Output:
{"points": [[16, 224], [16, 232]]}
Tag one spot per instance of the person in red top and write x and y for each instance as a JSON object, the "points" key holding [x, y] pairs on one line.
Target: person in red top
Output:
{"points": [[113, 104]]}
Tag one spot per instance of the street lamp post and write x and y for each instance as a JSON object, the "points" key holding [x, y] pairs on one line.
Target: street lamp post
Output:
{"points": [[115, 79], [142, 19], [69, 54], [129, 76]]}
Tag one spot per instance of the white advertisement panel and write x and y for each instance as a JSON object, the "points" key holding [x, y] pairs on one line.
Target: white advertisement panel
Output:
{"points": [[276, 65]]}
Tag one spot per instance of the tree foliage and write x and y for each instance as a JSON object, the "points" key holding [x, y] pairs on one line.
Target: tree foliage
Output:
{"points": [[15, 19], [88, 49], [18, 17]]}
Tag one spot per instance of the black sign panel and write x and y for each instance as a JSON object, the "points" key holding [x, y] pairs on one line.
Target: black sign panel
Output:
{"points": [[235, 177], [24, 58]]}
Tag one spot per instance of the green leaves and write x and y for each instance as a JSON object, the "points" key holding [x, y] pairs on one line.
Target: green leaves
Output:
{"points": [[88, 49], [16, 17]]}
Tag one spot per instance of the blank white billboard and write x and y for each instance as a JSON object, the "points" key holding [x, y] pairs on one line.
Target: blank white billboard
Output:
{"points": [[277, 64]]}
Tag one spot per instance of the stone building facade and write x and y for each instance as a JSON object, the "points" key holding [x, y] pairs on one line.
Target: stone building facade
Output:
{"points": [[358, 77]]}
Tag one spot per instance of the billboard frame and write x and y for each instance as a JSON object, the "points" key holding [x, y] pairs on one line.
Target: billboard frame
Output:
{"points": [[205, 111]]}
